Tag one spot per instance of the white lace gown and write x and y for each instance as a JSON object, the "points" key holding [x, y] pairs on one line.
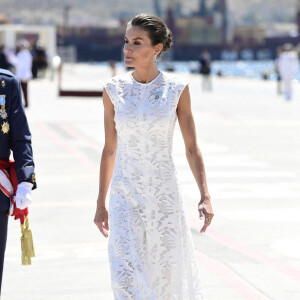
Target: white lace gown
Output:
{"points": [[150, 248]]}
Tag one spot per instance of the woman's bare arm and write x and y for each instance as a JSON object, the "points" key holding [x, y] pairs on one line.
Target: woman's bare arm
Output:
{"points": [[106, 165], [193, 154]]}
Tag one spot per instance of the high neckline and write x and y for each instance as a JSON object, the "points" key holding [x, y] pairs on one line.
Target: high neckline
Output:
{"points": [[141, 83]]}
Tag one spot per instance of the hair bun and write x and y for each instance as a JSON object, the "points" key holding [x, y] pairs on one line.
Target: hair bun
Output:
{"points": [[169, 41]]}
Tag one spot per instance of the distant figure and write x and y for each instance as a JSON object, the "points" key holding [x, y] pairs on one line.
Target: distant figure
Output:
{"points": [[23, 67], [288, 65], [279, 79], [4, 63], [205, 70], [39, 61]]}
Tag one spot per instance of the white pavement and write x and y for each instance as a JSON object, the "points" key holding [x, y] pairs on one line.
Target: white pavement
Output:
{"points": [[249, 137]]}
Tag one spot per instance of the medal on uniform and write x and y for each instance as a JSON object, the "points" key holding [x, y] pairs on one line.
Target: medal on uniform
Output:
{"points": [[2, 99], [3, 83], [5, 127], [3, 113]]}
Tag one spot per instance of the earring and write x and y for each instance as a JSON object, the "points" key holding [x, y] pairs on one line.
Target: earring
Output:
{"points": [[155, 56]]}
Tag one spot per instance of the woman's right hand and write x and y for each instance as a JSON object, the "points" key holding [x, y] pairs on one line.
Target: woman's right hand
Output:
{"points": [[101, 220]]}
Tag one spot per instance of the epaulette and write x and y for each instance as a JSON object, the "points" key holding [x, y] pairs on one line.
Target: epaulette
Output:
{"points": [[6, 72]]}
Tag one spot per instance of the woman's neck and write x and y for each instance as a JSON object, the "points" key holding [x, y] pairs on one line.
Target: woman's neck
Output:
{"points": [[145, 75]]}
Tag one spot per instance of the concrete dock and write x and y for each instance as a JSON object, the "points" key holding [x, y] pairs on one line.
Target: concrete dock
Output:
{"points": [[249, 138]]}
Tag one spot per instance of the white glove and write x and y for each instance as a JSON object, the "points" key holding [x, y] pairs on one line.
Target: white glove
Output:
{"points": [[23, 195]]}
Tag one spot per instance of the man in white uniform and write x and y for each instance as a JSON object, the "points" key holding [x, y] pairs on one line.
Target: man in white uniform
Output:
{"points": [[288, 66]]}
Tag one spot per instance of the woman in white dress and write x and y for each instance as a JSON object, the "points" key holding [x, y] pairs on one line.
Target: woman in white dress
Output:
{"points": [[150, 247]]}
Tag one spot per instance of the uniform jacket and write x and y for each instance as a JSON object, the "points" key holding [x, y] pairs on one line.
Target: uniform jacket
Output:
{"points": [[15, 135]]}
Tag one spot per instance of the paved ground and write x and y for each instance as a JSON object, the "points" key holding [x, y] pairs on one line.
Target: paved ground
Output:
{"points": [[249, 137]]}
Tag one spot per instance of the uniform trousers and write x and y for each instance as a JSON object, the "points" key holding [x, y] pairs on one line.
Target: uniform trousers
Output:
{"points": [[4, 206]]}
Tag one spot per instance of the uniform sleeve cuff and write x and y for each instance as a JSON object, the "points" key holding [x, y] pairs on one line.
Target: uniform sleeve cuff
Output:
{"points": [[27, 174]]}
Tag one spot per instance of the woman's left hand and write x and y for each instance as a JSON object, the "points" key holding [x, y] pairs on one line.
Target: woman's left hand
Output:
{"points": [[205, 212]]}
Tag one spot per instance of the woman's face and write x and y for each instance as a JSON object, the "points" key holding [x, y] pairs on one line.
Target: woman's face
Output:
{"points": [[138, 49]]}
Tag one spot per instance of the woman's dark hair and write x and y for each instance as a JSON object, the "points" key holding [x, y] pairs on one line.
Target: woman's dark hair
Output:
{"points": [[158, 31]]}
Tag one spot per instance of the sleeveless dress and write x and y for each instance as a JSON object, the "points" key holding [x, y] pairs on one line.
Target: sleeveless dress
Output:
{"points": [[150, 246]]}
